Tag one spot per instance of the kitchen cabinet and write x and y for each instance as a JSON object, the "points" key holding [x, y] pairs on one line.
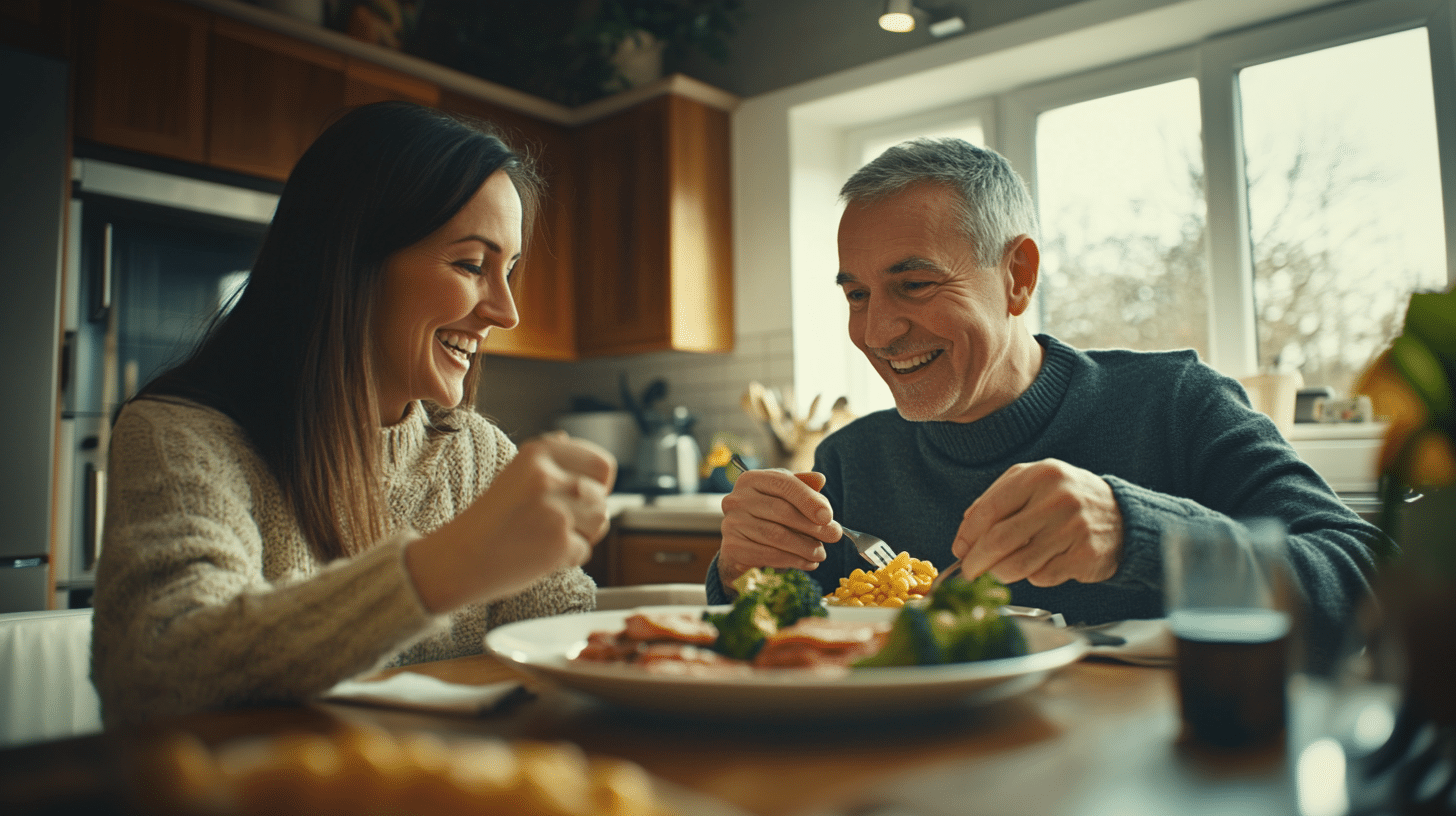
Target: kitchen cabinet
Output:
{"points": [[142, 78], [654, 259], [633, 557], [365, 82], [270, 97], [631, 251], [543, 282], [37, 26]]}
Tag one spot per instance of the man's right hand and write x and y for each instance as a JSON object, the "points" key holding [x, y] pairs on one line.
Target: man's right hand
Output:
{"points": [[774, 518]]}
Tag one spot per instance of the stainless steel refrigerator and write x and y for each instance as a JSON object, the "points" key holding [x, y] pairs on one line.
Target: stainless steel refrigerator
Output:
{"points": [[156, 255], [32, 206]]}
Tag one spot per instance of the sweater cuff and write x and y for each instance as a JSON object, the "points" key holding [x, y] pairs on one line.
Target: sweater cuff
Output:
{"points": [[383, 568], [1142, 536], [714, 585]]}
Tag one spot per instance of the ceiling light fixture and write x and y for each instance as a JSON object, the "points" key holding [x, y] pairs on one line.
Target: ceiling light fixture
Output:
{"points": [[899, 16]]}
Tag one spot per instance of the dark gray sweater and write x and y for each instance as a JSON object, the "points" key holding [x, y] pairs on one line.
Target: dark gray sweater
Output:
{"points": [[1173, 437]]}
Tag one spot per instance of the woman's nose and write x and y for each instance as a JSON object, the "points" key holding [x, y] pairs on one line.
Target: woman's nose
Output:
{"points": [[497, 306]]}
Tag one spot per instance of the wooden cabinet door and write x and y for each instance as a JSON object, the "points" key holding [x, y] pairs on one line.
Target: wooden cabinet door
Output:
{"points": [[41, 26], [700, 241], [142, 79], [623, 288], [270, 96], [654, 261], [543, 281], [663, 558], [365, 82]]}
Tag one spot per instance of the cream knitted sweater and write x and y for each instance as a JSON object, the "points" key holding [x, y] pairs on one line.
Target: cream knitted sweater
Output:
{"points": [[208, 596]]}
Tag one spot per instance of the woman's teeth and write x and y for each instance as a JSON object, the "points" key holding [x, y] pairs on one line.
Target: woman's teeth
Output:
{"points": [[458, 344], [914, 363]]}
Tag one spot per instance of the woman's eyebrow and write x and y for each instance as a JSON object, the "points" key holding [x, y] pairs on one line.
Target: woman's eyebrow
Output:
{"points": [[489, 244]]}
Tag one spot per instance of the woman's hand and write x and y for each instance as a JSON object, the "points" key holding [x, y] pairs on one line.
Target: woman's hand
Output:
{"points": [[545, 511]]}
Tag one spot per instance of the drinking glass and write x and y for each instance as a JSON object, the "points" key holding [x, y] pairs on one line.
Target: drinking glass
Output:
{"points": [[1228, 610]]}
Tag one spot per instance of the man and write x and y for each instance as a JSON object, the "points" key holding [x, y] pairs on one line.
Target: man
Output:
{"points": [[1054, 469]]}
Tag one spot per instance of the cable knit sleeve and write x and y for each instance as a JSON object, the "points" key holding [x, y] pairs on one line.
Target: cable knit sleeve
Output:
{"points": [[187, 616], [473, 456]]}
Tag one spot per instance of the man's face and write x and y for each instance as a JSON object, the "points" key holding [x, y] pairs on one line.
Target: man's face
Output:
{"points": [[942, 332]]}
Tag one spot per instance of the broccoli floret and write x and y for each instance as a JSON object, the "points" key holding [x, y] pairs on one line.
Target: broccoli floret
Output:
{"points": [[912, 642], [742, 629], [959, 623], [961, 597], [789, 594], [978, 636]]}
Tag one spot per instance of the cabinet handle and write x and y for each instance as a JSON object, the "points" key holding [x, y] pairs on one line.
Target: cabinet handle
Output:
{"points": [[95, 514], [661, 557], [103, 294]]}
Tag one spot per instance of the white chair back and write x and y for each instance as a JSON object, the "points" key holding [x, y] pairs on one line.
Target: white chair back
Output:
{"points": [[45, 676], [627, 597]]}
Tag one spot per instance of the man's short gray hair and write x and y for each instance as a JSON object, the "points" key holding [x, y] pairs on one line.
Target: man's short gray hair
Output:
{"points": [[995, 206]]}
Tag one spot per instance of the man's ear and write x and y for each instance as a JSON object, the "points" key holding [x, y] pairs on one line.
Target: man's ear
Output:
{"points": [[1023, 261]]}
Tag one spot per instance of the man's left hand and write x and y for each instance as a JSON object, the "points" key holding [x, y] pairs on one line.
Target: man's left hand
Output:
{"points": [[1046, 522]]}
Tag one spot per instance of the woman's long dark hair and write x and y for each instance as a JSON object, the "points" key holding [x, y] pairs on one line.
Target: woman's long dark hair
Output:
{"points": [[293, 361]]}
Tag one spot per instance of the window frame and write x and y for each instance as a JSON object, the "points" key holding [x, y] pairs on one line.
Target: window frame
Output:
{"points": [[1010, 127]]}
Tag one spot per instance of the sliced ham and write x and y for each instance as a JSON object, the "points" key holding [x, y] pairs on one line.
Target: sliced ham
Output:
{"points": [[651, 627], [821, 642]]}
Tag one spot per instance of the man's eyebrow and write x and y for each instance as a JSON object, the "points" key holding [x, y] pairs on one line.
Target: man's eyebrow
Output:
{"points": [[914, 264]]}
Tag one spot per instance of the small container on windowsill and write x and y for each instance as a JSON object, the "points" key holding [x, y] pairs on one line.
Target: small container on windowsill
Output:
{"points": [[1355, 409]]}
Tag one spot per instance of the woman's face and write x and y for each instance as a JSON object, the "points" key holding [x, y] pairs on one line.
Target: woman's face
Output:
{"points": [[440, 297]]}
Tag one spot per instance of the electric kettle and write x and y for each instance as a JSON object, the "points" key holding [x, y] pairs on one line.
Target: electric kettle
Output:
{"points": [[668, 456]]}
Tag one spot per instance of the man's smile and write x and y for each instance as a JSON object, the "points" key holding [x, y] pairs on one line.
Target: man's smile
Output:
{"points": [[913, 364]]}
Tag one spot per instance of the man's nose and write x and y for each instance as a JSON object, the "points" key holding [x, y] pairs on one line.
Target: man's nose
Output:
{"points": [[884, 324]]}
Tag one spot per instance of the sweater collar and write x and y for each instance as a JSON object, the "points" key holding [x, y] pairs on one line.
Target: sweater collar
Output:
{"points": [[402, 441], [993, 437]]}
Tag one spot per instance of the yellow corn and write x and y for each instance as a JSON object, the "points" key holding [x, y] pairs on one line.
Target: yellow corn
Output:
{"points": [[903, 579]]}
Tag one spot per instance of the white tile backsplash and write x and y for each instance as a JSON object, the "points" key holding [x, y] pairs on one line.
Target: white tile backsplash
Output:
{"points": [[524, 397]]}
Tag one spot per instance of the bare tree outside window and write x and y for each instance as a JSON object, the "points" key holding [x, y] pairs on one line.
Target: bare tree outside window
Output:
{"points": [[1344, 199], [1120, 190]]}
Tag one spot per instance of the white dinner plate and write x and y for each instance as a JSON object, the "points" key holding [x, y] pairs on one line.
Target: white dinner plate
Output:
{"points": [[544, 646]]}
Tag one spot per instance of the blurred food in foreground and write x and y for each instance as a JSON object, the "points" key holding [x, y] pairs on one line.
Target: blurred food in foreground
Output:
{"points": [[903, 579], [361, 770]]}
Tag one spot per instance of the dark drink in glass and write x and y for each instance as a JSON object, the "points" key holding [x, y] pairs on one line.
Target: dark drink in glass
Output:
{"points": [[1232, 671]]}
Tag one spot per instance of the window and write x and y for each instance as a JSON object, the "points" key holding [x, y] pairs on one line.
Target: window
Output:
{"points": [[1268, 197], [1344, 193], [1120, 194]]}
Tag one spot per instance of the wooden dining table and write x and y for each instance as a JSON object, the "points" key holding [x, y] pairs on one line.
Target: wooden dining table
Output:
{"points": [[1095, 737]]}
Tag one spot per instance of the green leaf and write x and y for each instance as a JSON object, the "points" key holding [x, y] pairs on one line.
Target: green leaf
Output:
{"points": [[1431, 316], [1418, 364]]}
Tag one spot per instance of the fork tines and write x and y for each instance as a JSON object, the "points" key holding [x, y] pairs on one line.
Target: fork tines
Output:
{"points": [[873, 549]]}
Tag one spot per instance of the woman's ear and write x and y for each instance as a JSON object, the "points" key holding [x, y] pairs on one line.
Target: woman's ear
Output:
{"points": [[1023, 261]]}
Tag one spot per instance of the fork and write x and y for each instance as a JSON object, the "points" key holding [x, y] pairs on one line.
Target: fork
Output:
{"points": [[872, 548], [944, 574]]}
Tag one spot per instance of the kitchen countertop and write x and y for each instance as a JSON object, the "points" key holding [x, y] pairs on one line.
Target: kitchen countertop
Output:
{"points": [[684, 513]]}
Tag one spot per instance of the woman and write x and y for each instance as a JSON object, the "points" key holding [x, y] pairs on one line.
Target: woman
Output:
{"points": [[309, 496]]}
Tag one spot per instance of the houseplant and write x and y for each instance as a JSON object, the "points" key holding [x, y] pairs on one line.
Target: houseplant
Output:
{"points": [[672, 29], [563, 50], [1411, 383]]}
